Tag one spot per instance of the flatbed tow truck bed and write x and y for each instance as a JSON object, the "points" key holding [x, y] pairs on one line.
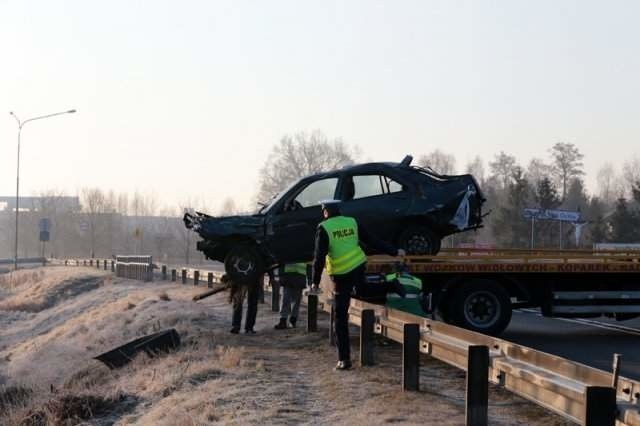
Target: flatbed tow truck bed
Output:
{"points": [[478, 288]]}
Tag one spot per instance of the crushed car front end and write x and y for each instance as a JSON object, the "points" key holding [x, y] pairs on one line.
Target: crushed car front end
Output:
{"points": [[219, 234]]}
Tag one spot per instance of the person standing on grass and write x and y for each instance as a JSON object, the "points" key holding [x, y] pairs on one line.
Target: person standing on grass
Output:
{"points": [[337, 245], [293, 279], [237, 294]]}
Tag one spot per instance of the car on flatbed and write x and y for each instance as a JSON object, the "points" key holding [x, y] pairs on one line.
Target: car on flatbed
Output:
{"points": [[409, 206]]}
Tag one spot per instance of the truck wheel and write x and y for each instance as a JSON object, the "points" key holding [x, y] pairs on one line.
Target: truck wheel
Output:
{"points": [[419, 240], [481, 305], [242, 264]]}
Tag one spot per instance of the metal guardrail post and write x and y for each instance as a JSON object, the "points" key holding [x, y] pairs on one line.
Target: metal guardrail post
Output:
{"points": [[113, 266], [616, 371], [275, 296], [105, 264], [184, 276], [196, 277], [411, 358], [312, 313], [599, 406], [164, 272], [477, 386], [332, 325], [367, 323], [84, 262], [210, 280], [90, 262], [65, 263], [174, 275]]}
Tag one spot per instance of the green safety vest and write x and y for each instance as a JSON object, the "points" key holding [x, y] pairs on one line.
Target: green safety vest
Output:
{"points": [[345, 253], [410, 304], [295, 268]]}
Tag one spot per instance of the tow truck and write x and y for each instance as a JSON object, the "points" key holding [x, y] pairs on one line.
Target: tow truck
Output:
{"points": [[478, 289]]}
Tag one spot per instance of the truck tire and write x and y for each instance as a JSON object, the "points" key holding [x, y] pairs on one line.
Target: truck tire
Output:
{"points": [[242, 264], [419, 240], [481, 305]]}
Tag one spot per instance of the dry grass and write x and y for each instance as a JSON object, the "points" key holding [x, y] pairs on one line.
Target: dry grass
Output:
{"points": [[275, 377]]}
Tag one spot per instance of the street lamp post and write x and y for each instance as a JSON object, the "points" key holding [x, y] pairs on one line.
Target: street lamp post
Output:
{"points": [[20, 125]]}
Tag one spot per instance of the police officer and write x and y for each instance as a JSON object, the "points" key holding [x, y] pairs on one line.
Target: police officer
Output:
{"points": [[337, 245], [293, 279]]}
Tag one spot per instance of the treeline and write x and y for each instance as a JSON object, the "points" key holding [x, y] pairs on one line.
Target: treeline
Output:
{"points": [[105, 223], [102, 224], [612, 214]]}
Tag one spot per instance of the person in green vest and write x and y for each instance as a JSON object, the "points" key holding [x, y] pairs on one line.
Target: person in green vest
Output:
{"points": [[293, 279], [411, 303], [337, 246]]}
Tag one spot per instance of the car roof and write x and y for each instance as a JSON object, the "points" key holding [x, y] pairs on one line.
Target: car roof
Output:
{"points": [[357, 168]]}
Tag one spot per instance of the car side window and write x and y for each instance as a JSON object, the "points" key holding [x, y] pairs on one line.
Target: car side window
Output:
{"points": [[373, 185], [392, 185], [316, 192]]}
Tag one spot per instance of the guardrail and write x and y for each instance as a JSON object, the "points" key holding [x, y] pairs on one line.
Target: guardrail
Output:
{"points": [[575, 391], [582, 394]]}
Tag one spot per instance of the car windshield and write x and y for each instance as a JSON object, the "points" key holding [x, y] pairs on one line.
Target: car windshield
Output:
{"points": [[264, 208]]}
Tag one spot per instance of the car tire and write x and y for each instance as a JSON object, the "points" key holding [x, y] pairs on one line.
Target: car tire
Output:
{"points": [[419, 240], [243, 264], [481, 305]]}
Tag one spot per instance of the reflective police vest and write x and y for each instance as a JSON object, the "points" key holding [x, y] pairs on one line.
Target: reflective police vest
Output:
{"points": [[413, 285], [295, 268], [410, 303], [344, 253]]}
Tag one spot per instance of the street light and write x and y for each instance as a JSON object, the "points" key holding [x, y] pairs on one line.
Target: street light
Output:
{"points": [[20, 125]]}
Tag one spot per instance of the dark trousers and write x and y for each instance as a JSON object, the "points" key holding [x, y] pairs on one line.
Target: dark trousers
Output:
{"points": [[251, 292], [343, 286]]}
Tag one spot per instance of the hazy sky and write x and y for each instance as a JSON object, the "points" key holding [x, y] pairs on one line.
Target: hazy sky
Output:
{"points": [[185, 99]]}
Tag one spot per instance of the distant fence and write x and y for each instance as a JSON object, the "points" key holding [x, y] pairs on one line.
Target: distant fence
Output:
{"points": [[23, 260], [134, 267]]}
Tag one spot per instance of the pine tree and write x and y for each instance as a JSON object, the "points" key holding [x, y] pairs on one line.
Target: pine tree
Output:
{"points": [[546, 196], [510, 228], [624, 223]]}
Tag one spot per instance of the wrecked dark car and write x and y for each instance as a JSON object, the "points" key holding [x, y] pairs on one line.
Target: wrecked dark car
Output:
{"points": [[407, 205]]}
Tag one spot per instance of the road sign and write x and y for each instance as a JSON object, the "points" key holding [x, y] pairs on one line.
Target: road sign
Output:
{"points": [[547, 214], [44, 224], [84, 226]]}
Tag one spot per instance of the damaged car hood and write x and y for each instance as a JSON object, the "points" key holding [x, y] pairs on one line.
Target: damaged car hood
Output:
{"points": [[225, 226]]}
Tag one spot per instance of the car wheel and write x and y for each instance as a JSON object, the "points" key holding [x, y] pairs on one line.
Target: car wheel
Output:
{"points": [[419, 240], [243, 264], [483, 306]]}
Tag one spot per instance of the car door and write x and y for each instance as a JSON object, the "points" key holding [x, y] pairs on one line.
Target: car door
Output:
{"points": [[377, 201], [291, 232]]}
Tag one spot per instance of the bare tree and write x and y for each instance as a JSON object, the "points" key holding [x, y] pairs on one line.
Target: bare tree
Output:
{"points": [[300, 155], [537, 170], [503, 167], [228, 207], [475, 167], [567, 164], [606, 182], [631, 171], [93, 203], [439, 161]]}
